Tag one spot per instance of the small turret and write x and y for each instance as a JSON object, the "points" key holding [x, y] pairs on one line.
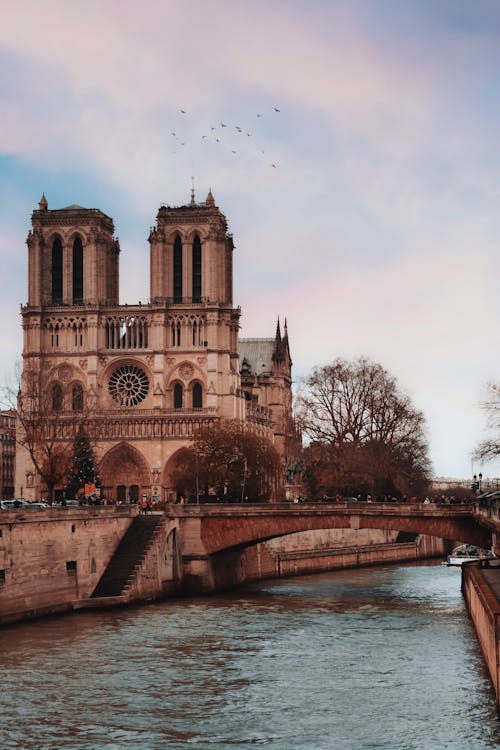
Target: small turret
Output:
{"points": [[43, 204], [210, 199]]}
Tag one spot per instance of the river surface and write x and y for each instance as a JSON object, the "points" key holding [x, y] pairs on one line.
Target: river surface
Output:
{"points": [[370, 658]]}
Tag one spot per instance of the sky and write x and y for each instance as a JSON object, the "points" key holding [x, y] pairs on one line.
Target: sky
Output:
{"points": [[353, 146]]}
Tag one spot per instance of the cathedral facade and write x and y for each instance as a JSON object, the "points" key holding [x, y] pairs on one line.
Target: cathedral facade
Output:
{"points": [[144, 377]]}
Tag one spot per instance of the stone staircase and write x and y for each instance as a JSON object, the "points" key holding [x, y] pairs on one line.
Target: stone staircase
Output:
{"points": [[128, 556]]}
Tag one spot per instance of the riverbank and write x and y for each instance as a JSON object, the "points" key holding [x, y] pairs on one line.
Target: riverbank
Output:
{"points": [[481, 590]]}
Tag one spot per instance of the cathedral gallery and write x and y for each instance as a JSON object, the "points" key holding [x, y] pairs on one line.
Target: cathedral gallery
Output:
{"points": [[144, 377]]}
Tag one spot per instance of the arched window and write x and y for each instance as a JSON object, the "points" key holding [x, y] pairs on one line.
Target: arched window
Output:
{"points": [[178, 334], [57, 271], [197, 396], [57, 397], [77, 397], [178, 396], [77, 271], [172, 328], [196, 269], [177, 270]]}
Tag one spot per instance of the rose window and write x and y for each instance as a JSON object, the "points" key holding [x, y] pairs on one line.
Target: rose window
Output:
{"points": [[128, 385]]}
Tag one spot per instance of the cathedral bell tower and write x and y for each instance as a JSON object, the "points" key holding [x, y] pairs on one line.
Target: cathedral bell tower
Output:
{"points": [[191, 255], [72, 257]]}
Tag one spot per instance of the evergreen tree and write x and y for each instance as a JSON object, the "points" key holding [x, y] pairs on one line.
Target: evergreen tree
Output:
{"points": [[84, 469]]}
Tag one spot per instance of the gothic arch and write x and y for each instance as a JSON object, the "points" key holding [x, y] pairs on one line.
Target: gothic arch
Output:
{"points": [[124, 466], [191, 234], [176, 232], [77, 233], [171, 491], [55, 236]]}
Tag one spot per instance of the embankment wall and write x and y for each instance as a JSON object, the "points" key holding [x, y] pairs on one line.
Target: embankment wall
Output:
{"points": [[275, 559], [484, 610], [50, 558]]}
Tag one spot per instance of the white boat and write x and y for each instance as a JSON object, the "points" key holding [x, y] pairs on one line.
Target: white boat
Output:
{"points": [[468, 553]]}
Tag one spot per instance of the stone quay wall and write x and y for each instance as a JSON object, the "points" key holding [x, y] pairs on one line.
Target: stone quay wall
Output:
{"points": [[484, 610], [50, 559]]}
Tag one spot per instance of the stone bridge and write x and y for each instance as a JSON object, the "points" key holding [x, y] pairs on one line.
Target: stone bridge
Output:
{"points": [[210, 537]]}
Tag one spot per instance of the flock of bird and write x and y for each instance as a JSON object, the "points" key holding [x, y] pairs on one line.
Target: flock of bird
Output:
{"points": [[219, 133]]}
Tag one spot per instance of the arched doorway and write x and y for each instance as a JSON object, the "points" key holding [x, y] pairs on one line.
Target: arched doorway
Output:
{"points": [[176, 482], [124, 474]]}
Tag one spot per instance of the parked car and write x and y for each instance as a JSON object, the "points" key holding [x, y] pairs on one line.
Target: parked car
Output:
{"points": [[12, 504], [20, 502]]}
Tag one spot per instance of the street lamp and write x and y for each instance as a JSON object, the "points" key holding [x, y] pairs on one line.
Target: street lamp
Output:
{"points": [[477, 482]]}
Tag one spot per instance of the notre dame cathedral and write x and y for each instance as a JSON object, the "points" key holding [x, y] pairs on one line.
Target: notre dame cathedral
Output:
{"points": [[147, 376]]}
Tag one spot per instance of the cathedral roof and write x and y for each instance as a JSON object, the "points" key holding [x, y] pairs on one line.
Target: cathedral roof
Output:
{"points": [[256, 355]]}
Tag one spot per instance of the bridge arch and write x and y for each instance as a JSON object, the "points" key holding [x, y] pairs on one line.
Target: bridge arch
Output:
{"points": [[222, 529]]}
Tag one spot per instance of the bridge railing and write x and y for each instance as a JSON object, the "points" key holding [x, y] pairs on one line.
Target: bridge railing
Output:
{"points": [[319, 509]]}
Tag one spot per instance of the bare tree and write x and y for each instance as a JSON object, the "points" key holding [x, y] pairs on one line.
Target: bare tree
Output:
{"points": [[364, 431], [229, 460], [489, 448], [44, 428]]}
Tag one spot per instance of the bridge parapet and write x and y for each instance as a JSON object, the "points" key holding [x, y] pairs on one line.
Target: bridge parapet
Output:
{"points": [[239, 510]]}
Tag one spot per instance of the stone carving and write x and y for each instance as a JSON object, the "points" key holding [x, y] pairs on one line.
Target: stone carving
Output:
{"points": [[186, 371], [65, 373]]}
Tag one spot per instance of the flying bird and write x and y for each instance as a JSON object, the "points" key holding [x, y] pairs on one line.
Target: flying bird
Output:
{"points": [[182, 111], [222, 125], [276, 109]]}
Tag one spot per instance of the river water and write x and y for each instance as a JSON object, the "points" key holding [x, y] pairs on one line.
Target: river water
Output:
{"points": [[370, 658]]}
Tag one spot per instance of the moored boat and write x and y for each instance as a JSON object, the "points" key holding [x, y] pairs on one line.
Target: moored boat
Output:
{"points": [[467, 553]]}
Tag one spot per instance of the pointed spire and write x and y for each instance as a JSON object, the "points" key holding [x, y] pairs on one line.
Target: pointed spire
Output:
{"points": [[278, 344], [43, 204], [278, 331], [192, 192], [210, 198]]}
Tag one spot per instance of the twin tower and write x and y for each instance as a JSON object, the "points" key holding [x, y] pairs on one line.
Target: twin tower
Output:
{"points": [[148, 375]]}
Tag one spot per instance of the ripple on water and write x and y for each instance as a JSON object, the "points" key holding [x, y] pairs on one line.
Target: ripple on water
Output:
{"points": [[380, 658]]}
